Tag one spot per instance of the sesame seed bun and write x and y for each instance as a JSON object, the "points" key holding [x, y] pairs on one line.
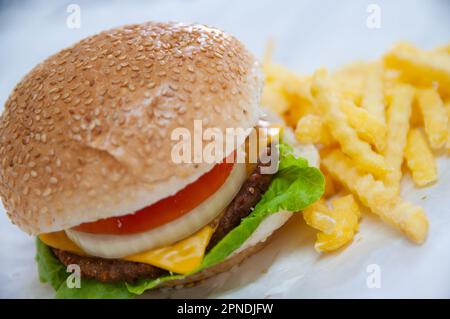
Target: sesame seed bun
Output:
{"points": [[86, 134]]}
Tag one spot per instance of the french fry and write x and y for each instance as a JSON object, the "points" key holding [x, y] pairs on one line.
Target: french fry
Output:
{"points": [[330, 186], [291, 82], [447, 107], [347, 202], [434, 117], [356, 70], [419, 159], [311, 129], [298, 107], [325, 110], [421, 67], [274, 98], [398, 115], [373, 98], [346, 214], [317, 215], [416, 119], [284, 90], [443, 49], [347, 137], [336, 226], [409, 219], [391, 79], [368, 127], [349, 81]]}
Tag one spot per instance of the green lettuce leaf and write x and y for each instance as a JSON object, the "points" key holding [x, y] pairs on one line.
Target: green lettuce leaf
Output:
{"points": [[294, 187], [92, 289], [142, 285], [52, 271], [288, 159], [293, 190]]}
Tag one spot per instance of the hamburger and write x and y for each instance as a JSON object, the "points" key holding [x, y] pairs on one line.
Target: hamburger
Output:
{"points": [[87, 161]]}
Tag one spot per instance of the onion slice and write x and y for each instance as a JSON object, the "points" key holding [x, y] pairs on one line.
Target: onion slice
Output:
{"points": [[118, 246]]}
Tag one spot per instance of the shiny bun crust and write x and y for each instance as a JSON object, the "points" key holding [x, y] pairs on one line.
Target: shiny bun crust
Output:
{"points": [[86, 134]]}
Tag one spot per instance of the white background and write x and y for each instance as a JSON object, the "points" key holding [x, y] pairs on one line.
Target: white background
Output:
{"points": [[308, 34]]}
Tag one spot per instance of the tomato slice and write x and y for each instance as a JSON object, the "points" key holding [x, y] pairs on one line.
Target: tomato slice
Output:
{"points": [[166, 209]]}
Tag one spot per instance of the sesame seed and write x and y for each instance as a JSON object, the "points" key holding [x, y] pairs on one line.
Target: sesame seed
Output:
{"points": [[47, 192]]}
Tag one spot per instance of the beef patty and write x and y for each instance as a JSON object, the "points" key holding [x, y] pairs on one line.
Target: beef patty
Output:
{"points": [[109, 270], [117, 270]]}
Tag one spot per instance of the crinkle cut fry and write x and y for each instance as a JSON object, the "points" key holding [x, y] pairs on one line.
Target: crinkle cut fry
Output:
{"points": [[336, 120], [398, 115], [368, 127], [420, 67], [409, 219], [420, 159], [373, 99], [435, 117]]}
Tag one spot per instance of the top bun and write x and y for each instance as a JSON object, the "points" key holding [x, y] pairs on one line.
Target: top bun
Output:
{"points": [[86, 134]]}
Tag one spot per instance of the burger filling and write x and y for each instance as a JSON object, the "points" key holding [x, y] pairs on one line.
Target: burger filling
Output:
{"points": [[117, 270], [124, 246], [198, 227]]}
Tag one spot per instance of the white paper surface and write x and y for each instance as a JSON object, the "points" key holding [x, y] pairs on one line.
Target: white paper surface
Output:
{"points": [[308, 34]]}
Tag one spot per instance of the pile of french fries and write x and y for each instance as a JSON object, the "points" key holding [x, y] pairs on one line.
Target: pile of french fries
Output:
{"points": [[372, 122]]}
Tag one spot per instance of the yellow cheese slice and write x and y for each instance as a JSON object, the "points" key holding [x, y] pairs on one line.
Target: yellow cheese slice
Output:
{"points": [[181, 257], [60, 240]]}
